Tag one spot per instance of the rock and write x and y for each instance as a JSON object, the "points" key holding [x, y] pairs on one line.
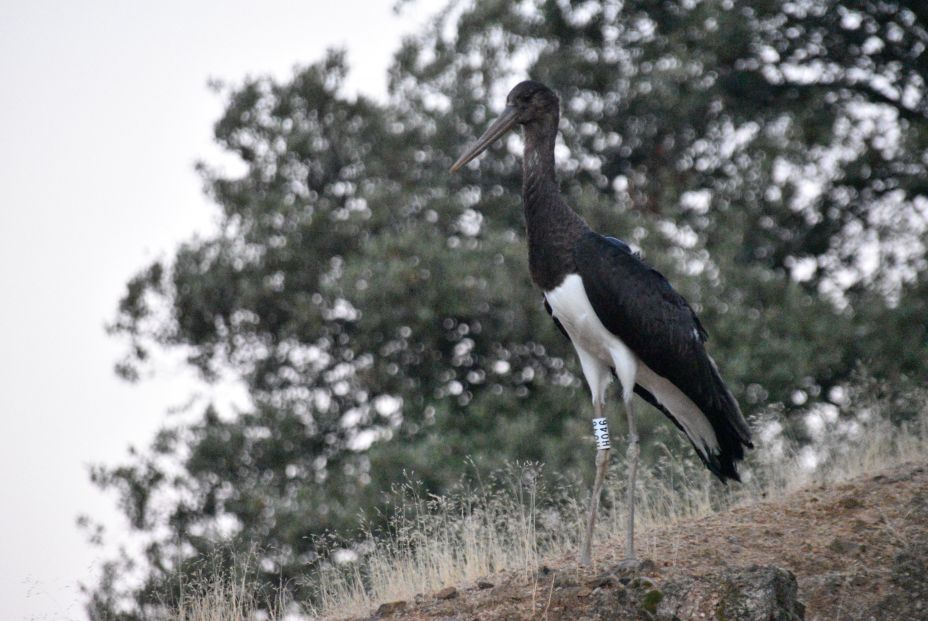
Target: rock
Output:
{"points": [[447, 593], [910, 568], [647, 566], [919, 504], [483, 584], [644, 566], [756, 593], [851, 502], [860, 580], [862, 526], [564, 580], [641, 584], [391, 608], [845, 546], [909, 596], [603, 580], [829, 580]]}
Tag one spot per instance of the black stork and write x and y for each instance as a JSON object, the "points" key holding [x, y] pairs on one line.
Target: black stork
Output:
{"points": [[621, 315]]}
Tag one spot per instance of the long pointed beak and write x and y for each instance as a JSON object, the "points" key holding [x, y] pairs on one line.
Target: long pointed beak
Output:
{"points": [[500, 126]]}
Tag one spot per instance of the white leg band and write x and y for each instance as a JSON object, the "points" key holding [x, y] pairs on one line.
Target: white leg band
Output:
{"points": [[601, 433]]}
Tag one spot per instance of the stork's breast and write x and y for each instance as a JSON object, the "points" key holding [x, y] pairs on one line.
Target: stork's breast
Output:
{"points": [[571, 306]]}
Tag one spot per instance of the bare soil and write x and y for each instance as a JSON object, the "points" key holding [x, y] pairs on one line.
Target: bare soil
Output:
{"points": [[859, 550]]}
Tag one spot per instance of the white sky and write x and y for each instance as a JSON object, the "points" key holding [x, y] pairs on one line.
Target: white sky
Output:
{"points": [[103, 111]]}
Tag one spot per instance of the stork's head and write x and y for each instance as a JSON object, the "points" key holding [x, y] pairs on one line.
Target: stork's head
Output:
{"points": [[529, 102]]}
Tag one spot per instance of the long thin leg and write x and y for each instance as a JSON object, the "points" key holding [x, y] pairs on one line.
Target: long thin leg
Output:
{"points": [[601, 431], [632, 458]]}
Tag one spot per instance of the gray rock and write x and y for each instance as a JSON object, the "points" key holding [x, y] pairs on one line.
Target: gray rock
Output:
{"points": [[390, 608], [908, 598], [447, 593], [910, 570], [756, 593], [845, 547]]}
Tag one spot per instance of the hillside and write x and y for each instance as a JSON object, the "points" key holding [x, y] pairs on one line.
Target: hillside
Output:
{"points": [[858, 550]]}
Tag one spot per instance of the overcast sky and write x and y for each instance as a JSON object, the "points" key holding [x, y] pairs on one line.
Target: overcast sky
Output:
{"points": [[103, 111]]}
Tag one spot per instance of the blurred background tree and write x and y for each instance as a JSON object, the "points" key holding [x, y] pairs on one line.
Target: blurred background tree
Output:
{"points": [[768, 157]]}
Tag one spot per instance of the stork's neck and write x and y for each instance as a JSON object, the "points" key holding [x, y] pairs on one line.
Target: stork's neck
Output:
{"points": [[539, 180], [553, 228]]}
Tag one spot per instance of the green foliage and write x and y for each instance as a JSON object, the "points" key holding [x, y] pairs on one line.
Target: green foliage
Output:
{"points": [[768, 159], [651, 600]]}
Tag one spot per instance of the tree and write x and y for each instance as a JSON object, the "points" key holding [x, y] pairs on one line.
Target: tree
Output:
{"points": [[380, 312]]}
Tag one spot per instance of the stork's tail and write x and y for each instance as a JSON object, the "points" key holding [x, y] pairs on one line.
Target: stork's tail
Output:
{"points": [[731, 433]]}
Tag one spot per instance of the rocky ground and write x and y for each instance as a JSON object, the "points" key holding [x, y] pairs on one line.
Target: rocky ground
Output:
{"points": [[856, 551]]}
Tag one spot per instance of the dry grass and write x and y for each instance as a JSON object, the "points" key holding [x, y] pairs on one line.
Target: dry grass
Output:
{"points": [[518, 519], [447, 541], [226, 596]]}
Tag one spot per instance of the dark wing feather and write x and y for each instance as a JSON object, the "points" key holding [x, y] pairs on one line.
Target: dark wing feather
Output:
{"points": [[625, 248], [618, 243], [637, 304], [556, 322]]}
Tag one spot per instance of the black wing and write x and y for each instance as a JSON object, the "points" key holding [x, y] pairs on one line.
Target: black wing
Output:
{"points": [[556, 322], [637, 304]]}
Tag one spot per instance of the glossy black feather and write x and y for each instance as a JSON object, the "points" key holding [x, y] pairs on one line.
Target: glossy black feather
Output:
{"points": [[618, 243], [658, 277], [556, 322], [637, 304]]}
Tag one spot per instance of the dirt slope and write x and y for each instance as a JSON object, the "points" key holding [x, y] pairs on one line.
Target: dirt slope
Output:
{"points": [[859, 550]]}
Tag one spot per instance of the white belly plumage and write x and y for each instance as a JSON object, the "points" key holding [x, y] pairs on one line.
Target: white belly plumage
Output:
{"points": [[600, 351]]}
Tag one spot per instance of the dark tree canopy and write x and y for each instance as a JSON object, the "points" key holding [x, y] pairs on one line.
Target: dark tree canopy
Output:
{"points": [[768, 157]]}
